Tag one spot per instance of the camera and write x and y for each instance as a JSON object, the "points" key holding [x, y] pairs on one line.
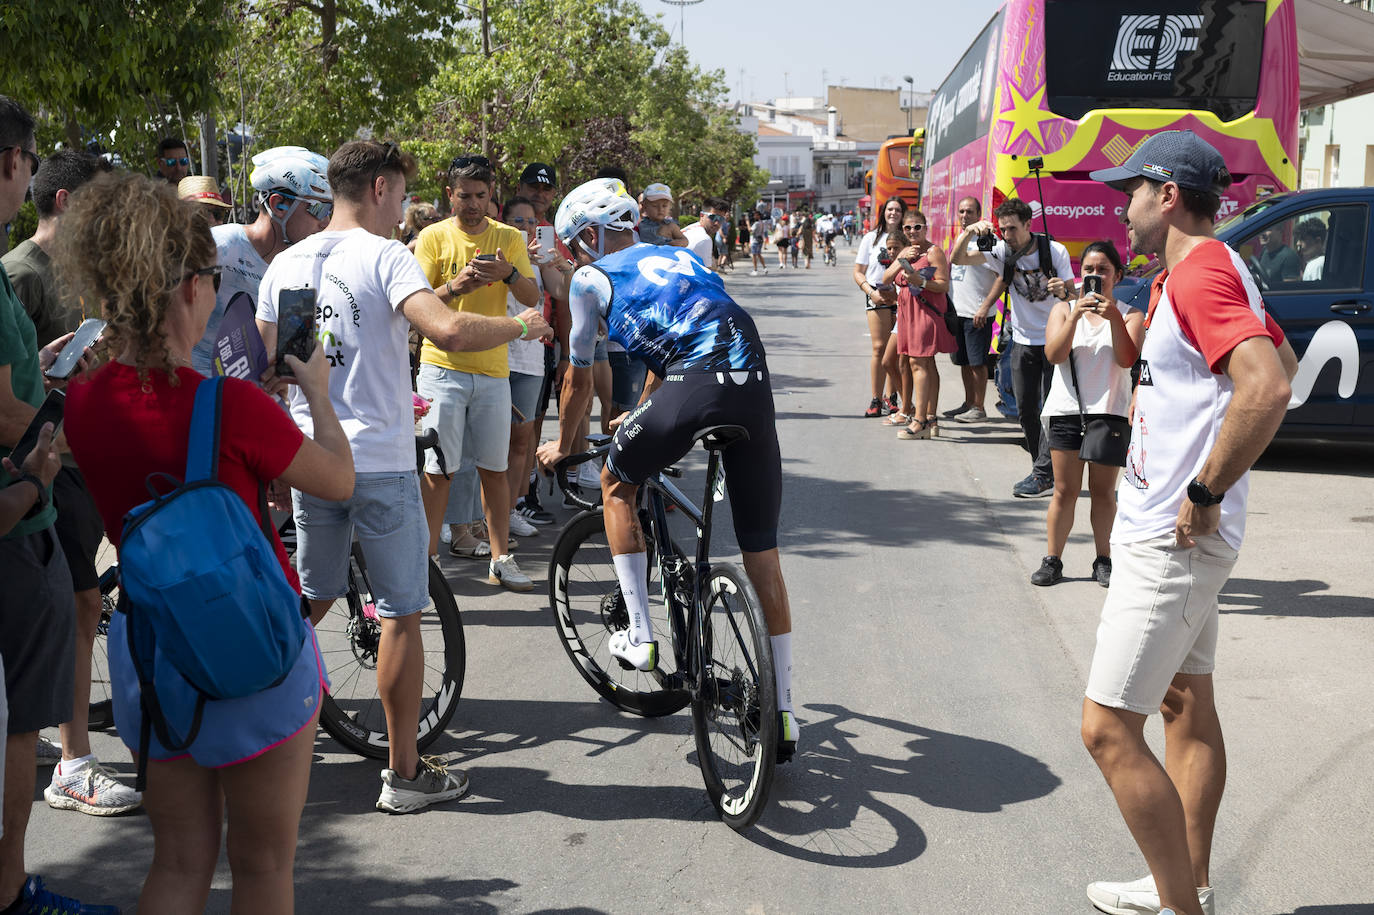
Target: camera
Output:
{"points": [[1035, 163], [987, 242]]}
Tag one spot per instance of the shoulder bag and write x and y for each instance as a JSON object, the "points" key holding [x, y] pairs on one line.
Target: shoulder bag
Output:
{"points": [[1105, 438]]}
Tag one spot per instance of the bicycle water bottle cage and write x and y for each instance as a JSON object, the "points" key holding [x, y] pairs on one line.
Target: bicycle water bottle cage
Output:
{"points": [[718, 438]]}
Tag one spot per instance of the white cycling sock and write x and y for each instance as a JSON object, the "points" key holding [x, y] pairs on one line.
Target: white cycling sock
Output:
{"points": [[782, 669], [632, 570], [72, 766]]}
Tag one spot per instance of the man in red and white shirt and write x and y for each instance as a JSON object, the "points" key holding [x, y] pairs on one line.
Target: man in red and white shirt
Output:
{"points": [[1213, 389]]}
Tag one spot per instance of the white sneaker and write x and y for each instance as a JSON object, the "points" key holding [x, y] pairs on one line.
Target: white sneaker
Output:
{"points": [[753, 273], [506, 573], [433, 784], [971, 415], [1137, 897], [520, 527], [589, 476], [91, 789], [643, 656]]}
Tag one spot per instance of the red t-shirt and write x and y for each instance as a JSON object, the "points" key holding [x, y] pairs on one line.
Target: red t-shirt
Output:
{"points": [[119, 435]]}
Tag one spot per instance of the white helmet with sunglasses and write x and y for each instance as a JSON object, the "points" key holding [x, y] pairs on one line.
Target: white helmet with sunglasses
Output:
{"points": [[601, 202], [298, 174]]}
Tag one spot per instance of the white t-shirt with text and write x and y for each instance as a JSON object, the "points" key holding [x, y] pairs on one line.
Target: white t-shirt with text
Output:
{"points": [[360, 280]]}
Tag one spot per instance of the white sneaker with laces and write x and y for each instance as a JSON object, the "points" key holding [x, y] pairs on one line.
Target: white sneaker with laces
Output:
{"points": [[1137, 897], [91, 789], [520, 527], [643, 656], [432, 784], [506, 573]]}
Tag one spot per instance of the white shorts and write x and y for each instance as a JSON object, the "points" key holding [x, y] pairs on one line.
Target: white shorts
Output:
{"points": [[472, 413], [1160, 619]]}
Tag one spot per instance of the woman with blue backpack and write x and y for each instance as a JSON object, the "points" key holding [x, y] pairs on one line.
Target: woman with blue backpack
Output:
{"points": [[216, 680]]}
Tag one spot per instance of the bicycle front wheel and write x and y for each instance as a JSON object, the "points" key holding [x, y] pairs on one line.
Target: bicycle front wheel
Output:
{"points": [[584, 593], [350, 637], [736, 718]]}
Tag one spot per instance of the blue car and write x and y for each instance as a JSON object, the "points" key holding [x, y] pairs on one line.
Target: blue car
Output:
{"points": [[1310, 255]]}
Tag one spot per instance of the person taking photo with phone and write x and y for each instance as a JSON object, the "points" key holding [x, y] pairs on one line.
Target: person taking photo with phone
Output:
{"points": [[1092, 343]]}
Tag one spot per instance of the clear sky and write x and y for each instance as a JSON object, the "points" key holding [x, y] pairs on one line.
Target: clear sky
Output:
{"points": [[797, 47]]}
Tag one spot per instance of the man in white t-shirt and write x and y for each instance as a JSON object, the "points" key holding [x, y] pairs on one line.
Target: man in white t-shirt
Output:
{"points": [[1031, 304], [699, 234], [1214, 386], [970, 285], [369, 291], [291, 192]]}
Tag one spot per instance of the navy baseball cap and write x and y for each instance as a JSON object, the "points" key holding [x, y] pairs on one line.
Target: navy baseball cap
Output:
{"points": [[538, 173], [1180, 156]]}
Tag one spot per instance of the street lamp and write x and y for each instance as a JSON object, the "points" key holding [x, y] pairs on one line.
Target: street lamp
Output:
{"points": [[680, 4], [910, 90]]}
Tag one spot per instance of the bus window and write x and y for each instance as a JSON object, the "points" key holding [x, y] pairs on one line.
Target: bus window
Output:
{"points": [[1200, 56]]}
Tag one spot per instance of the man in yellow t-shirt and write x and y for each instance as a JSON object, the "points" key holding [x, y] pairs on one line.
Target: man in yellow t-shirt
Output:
{"points": [[473, 262]]}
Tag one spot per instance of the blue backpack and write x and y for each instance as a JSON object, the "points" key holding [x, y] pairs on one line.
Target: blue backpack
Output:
{"points": [[202, 588]]}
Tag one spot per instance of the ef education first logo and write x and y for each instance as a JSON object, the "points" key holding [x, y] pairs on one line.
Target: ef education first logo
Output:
{"points": [[1147, 47]]}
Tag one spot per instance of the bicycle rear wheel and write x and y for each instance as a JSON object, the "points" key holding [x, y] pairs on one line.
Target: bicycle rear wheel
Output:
{"points": [[736, 719], [350, 636], [584, 593]]}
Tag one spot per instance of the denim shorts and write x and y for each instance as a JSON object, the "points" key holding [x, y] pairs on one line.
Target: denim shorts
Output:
{"points": [[524, 396], [472, 414], [1160, 619], [389, 519], [600, 354], [627, 379]]}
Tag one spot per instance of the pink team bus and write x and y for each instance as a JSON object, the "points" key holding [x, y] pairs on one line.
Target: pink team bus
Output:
{"points": [[1081, 83]]}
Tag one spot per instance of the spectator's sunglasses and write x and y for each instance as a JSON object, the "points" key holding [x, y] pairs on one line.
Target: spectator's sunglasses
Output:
{"points": [[184, 160], [465, 161], [917, 227], [34, 161], [714, 217], [212, 272], [523, 221]]}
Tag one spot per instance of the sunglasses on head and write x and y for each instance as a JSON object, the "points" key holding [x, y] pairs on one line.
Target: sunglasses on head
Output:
{"points": [[465, 161], [34, 161], [184, 160], [212, 272]]}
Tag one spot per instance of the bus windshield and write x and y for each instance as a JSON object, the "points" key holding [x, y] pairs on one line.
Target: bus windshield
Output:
{"points": [[1203, 56]]}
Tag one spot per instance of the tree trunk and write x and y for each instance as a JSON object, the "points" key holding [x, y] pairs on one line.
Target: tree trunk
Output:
{"points": [[209, 150]]}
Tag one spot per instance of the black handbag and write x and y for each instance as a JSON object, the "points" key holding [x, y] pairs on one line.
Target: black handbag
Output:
{"points": [[949, 316], [1105, 438]]}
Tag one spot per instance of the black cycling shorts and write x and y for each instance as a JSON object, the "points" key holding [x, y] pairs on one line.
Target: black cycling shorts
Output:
{"points": [[660, 431]]}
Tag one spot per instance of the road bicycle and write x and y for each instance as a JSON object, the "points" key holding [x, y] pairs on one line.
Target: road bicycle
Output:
{"points": [[830, 251], [349, 636], [721, 661]]}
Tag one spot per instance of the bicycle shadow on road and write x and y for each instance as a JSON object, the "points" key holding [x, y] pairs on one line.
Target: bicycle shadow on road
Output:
{"points": [[826, 803]]}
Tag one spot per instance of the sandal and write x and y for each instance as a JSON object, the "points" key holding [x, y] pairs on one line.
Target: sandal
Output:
{"points": [[898, 419], [921, 431], [933, 424]]}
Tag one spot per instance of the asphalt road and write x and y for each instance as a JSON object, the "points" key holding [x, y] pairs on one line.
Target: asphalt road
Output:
{"points": [[941, 768]]}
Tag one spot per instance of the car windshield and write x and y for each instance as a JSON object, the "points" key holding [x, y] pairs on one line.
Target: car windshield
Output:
{"points": [[1259, 206]]}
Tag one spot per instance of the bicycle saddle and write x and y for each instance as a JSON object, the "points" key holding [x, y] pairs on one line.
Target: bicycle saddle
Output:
{"points": [[718, 438]]}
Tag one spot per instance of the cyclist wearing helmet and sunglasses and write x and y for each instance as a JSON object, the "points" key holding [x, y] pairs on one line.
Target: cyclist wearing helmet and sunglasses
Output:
{"points": [[707, 367], [293, 200]]}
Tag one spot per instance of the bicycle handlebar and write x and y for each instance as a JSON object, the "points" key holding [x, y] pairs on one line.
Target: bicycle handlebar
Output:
{"points": [[601, 444]]}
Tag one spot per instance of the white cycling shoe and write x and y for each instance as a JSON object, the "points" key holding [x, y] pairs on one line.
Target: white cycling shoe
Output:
{"points": [[1137, 897], [642, 657]]}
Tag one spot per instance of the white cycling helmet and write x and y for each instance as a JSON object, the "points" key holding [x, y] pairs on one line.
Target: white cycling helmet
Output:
{"points": [[601, 202], [294, 172]]}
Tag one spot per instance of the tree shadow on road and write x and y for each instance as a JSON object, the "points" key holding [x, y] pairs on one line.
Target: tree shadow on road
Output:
{"points": [[1290, 598], [826, 802]]}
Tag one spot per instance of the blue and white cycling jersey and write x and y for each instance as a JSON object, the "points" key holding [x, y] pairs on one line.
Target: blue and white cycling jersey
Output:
{"points": [[665, 307]]}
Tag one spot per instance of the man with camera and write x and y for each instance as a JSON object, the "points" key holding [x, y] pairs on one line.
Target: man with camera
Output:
{"points": [[1025, 262]]}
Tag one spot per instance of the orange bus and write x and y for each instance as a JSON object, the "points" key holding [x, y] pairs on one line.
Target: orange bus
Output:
{"points": [[897, 172]]}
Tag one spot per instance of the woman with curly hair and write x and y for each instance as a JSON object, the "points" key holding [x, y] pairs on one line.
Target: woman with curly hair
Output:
{"points": [[148, 259]]}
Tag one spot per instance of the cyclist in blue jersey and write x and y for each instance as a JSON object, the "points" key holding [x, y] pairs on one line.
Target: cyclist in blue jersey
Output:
{"points": [[706, 367]]}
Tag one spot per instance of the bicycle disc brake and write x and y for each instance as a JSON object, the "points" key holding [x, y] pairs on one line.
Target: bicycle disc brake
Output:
{"points": [[364, 638]]}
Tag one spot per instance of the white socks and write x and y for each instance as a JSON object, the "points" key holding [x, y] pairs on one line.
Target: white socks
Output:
{"points": [[632, 569], [782, 669], [72, 766]]}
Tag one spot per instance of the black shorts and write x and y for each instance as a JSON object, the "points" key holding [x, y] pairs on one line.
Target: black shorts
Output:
{"points": [[37, 631], [78, 526], [1066, 432], [659, 432], [974, 342]]}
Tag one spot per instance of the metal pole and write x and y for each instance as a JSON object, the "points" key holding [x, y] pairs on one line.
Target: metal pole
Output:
{"points": [[681, 7]]}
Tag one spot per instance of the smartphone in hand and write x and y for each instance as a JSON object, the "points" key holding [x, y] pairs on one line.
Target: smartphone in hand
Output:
{"points": [[295, 327], [67, 360], [547, 247], [50, 411], [1092, 283]]}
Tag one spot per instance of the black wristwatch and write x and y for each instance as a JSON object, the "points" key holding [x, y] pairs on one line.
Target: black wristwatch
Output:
{"points": [[514, 275], [43, 498], [1199, 494]]}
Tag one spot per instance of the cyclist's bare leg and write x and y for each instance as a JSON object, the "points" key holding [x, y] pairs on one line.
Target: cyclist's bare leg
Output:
{"points": [[434, 494], [496, 504], [765, 574]]}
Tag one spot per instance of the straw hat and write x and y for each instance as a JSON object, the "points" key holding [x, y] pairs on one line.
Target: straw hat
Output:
{"points": [[201, 189]]}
